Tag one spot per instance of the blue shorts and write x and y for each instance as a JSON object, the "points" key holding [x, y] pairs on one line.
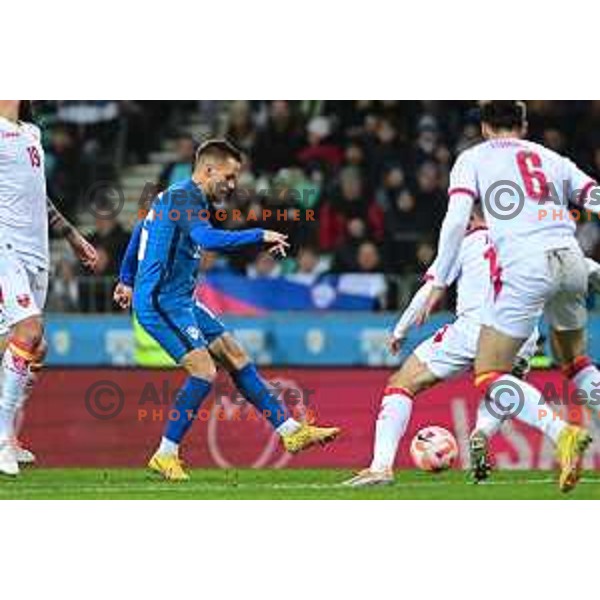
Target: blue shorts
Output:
{"points": [[179, 328]]}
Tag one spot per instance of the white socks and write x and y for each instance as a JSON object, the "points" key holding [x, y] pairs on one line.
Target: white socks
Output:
{"points": [[288, 427], [15, 380], [396, 408], [487, 423], [168, 447], [518, 399]]}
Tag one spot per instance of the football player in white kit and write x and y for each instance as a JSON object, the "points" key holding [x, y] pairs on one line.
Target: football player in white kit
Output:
{"points": [[450, 351], [525, 189], [25, 213]]}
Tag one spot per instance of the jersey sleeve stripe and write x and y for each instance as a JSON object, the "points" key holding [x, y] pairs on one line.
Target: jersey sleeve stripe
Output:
{"points": [[463, 190]]}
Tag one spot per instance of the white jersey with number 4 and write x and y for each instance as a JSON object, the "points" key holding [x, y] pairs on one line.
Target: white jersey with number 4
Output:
{"points": [[23, 209], [524, 189]]}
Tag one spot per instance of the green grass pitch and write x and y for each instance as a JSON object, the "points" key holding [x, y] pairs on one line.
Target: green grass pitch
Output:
{"points": [[312, 484]]}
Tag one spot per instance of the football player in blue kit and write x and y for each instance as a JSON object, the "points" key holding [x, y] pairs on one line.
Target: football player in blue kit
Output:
{"points": [[159, 276]]}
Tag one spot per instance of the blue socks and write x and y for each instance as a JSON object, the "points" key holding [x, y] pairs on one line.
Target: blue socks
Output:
{"points": [[252, 386], [187, 403]]}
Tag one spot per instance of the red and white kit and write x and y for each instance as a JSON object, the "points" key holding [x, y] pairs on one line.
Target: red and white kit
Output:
{"points": [[540, 267], [24, 256], [452, 349]]}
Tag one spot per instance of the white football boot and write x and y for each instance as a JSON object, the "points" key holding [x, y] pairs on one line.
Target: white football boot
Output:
{"points": [[8, 459], [24, 456], [368, 478]]}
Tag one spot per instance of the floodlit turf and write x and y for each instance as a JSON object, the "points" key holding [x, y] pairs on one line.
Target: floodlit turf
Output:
{"points": [[283, 484]]}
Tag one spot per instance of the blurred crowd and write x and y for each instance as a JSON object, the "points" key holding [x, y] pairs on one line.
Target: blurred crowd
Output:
{"points": [[373, 173]]}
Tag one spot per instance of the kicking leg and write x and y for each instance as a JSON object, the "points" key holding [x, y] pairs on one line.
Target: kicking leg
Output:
{"points": [[295, 435]]}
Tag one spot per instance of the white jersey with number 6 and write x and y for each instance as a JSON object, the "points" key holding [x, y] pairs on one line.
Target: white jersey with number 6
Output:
{"points": [[524, 189], [23, 209]]}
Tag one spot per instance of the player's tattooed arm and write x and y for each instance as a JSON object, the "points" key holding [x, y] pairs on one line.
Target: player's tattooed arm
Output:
{"points": [[62, 228]]}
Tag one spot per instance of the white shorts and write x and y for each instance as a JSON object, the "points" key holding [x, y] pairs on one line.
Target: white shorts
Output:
{"points": [[23, 290], [453, 348], [552, 282]]}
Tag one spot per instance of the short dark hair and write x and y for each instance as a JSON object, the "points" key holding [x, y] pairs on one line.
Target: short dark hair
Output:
{"points": [[219, 148], [504, 114], [26, 111]]}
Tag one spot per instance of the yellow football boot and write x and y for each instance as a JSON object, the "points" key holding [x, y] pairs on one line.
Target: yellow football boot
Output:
{"points": [[308, 435], [571, 446], [169, 466]]}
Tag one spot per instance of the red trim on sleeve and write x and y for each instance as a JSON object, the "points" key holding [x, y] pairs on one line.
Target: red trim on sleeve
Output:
{"points": [[479, 228], [461, 190]]}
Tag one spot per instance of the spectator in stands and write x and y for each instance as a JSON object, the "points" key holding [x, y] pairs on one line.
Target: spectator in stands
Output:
{"points": [[241, 129], [368, 278], [64, 170], [110, 240], [309, 266], [320, 153], [401, 231], [279, 141], [264, 266], [392, 184], [431, 198], [348, 212], [64, 288], [385, 148], [425, 255], [181, 168], [470, 135]]}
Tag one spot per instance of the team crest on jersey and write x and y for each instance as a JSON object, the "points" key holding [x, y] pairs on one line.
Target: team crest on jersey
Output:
{"points": [[193, 332], [24, 300]]}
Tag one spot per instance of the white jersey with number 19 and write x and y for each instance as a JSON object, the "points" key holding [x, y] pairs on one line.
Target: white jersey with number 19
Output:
{"points": [[23, 208]]}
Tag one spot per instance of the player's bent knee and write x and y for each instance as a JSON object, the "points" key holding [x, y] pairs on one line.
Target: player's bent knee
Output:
{"points": [[232, 356], [483, 381], [199, 363]]}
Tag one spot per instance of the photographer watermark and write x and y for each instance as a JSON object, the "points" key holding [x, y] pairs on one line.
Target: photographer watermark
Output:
{"points": [[505, 200], [106, 200], [505, 399], [105, 400]]}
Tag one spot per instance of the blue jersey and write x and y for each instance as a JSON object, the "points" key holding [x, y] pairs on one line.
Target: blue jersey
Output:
{"points": [[162, 261], [170, 242]]}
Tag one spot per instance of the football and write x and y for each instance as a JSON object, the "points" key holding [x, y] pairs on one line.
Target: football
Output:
{"points": [[434, 449]]}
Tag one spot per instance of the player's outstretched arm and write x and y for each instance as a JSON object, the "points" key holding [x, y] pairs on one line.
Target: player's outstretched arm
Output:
{"points": [[409, 316], [61, 227], [216, 240]]}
